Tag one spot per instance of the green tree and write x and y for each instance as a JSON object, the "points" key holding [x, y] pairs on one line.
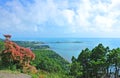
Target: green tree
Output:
{"points": [[76, 68], [50, 61], [98, 60], [84, 59], [1, 46], [93, 62], [114, 59], [108, 60], [1, 49]]}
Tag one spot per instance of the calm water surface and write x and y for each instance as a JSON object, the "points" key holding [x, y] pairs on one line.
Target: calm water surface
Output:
{"points": [[68, 47]]}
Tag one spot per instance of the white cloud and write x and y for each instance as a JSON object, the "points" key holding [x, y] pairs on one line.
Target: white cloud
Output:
{"points": [[100, 16], [76, 16], [104, 23], [69, 15]]}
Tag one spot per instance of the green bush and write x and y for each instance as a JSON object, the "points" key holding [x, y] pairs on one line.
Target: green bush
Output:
{"points": [[49, 61]]}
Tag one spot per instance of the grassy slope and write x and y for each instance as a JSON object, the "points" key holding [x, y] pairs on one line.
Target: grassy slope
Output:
{"points": [[51, 64], [42, 55], [53, 59]]}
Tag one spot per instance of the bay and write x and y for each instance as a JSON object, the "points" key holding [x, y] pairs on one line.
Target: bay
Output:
{"points": [[68, 47]]}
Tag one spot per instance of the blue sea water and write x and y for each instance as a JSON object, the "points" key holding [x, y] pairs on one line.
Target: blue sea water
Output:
{"points": [[68, 47]]}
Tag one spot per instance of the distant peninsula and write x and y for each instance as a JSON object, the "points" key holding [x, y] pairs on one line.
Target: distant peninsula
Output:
{"points": [[33, 44], [67, 42]]}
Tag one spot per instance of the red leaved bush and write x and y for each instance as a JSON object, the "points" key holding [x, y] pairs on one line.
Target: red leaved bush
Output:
{"points": [[22, 55]]}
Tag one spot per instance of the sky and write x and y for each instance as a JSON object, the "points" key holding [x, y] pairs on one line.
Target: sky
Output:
{"points": [[60, 18]]}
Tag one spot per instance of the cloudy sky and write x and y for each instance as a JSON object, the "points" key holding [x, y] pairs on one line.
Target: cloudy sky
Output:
{"points": [[60, 18]]}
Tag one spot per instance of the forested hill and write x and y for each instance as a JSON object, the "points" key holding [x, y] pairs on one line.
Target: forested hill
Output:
{"points": [[46, 60], [32, 44], [50, 61]]}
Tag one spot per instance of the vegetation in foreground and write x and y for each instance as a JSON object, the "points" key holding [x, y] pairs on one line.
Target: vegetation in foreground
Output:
{"points": [[48, 63], [95, 63]]}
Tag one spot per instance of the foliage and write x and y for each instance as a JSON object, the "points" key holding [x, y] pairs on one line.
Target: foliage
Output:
{"points": [[114, 60], [96, 63], [76, 69], [49, 61], [1, 49], [44, 74], [84, 59], [14, 57], [1, 46], [50, 64]]}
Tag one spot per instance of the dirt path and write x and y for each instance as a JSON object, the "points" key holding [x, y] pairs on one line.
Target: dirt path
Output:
{"points": [[13, 75]]}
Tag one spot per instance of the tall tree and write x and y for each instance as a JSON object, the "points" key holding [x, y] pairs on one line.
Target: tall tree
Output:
{"points": [[98, 60], [114, 59], [84, 59], [76, 68]]}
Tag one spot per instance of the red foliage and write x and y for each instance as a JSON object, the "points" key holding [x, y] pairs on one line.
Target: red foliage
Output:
{"points": [[17, 53]]}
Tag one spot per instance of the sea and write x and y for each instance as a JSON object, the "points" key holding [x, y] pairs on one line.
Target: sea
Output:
{"points": [[68, 47]]}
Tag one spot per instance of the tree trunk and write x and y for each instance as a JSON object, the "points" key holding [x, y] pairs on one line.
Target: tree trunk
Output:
{"points": [[107, 71], [116, 73]]}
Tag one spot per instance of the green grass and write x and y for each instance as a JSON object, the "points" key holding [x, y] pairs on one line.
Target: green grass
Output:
{"points": [[10, 71], [44, 74]]}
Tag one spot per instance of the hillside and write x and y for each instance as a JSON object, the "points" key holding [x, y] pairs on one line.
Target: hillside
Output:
{"points": [[32, 44], [46, 59], [48, 63]]}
